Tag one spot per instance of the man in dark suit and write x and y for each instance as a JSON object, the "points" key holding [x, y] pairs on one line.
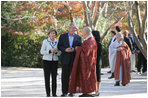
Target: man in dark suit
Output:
{"points": [[141, 60], [67, 44]]}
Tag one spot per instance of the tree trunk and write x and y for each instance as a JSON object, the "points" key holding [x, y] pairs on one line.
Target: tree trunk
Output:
{"points": [[140, 27], [139, 42], [89, 14]]}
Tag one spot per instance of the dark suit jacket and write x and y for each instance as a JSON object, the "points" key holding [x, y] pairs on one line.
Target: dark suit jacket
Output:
{"points": [[63, 43], [127, 42]]}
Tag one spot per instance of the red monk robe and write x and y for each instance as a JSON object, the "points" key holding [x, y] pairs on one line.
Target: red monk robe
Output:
{"points": [[83, 77], [123, 59]]}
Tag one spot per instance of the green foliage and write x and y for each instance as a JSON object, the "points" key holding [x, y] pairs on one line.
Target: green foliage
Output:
{"points": [[103, 23], [13, 20], [105, 60], [21, 51]]}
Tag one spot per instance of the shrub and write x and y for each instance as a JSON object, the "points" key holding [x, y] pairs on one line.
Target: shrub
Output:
{"points": [[21, 51], [105, 60]]}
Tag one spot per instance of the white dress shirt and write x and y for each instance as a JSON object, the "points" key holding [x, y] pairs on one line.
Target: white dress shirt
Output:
{"points": [[71, 38]]}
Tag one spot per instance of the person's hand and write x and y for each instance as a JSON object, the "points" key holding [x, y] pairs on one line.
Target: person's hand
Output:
{"points": [[118, 49], [76, 48], [69, 50], [53, 50], [72, 49], [138, 51]]}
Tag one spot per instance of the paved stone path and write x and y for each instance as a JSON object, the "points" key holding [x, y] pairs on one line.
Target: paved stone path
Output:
{"points": [[29, 82]]}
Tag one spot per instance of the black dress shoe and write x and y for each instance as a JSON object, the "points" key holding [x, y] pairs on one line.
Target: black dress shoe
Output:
{"points": [[123, 84], [83, 95], [48, 95], [54, 95], [109, 71], [112, 76], [63, 95], [117, 83], [86, 95], [70, 95], [133, 71]]}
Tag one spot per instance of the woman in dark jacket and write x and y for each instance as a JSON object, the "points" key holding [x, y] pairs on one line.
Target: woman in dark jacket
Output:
{"points": [[96, 34]]}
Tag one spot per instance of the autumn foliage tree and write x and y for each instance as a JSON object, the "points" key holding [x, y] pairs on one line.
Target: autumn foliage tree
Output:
{"points": [[38, 15]]}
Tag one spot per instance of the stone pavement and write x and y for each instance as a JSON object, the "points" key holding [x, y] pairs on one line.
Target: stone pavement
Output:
{"points": [[29, 82]]}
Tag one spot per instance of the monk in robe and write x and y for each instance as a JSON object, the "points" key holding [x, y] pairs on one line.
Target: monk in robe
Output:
{"points": [[83, 77], [122, 67]]}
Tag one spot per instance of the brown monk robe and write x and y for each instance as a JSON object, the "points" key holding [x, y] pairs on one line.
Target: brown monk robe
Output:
{"points": [[123, 60], [83, 77]]}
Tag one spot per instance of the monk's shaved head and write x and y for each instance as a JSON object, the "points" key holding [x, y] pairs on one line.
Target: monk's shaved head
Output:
{"points": [[119, 36], [87, 29]]}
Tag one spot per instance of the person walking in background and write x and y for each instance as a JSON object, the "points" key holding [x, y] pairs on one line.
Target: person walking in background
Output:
{"points": [[133, 50], [50, 61], [126, 39], [122, 67], [83, 78], [112, 54], [141, 59], [67, 43]]}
